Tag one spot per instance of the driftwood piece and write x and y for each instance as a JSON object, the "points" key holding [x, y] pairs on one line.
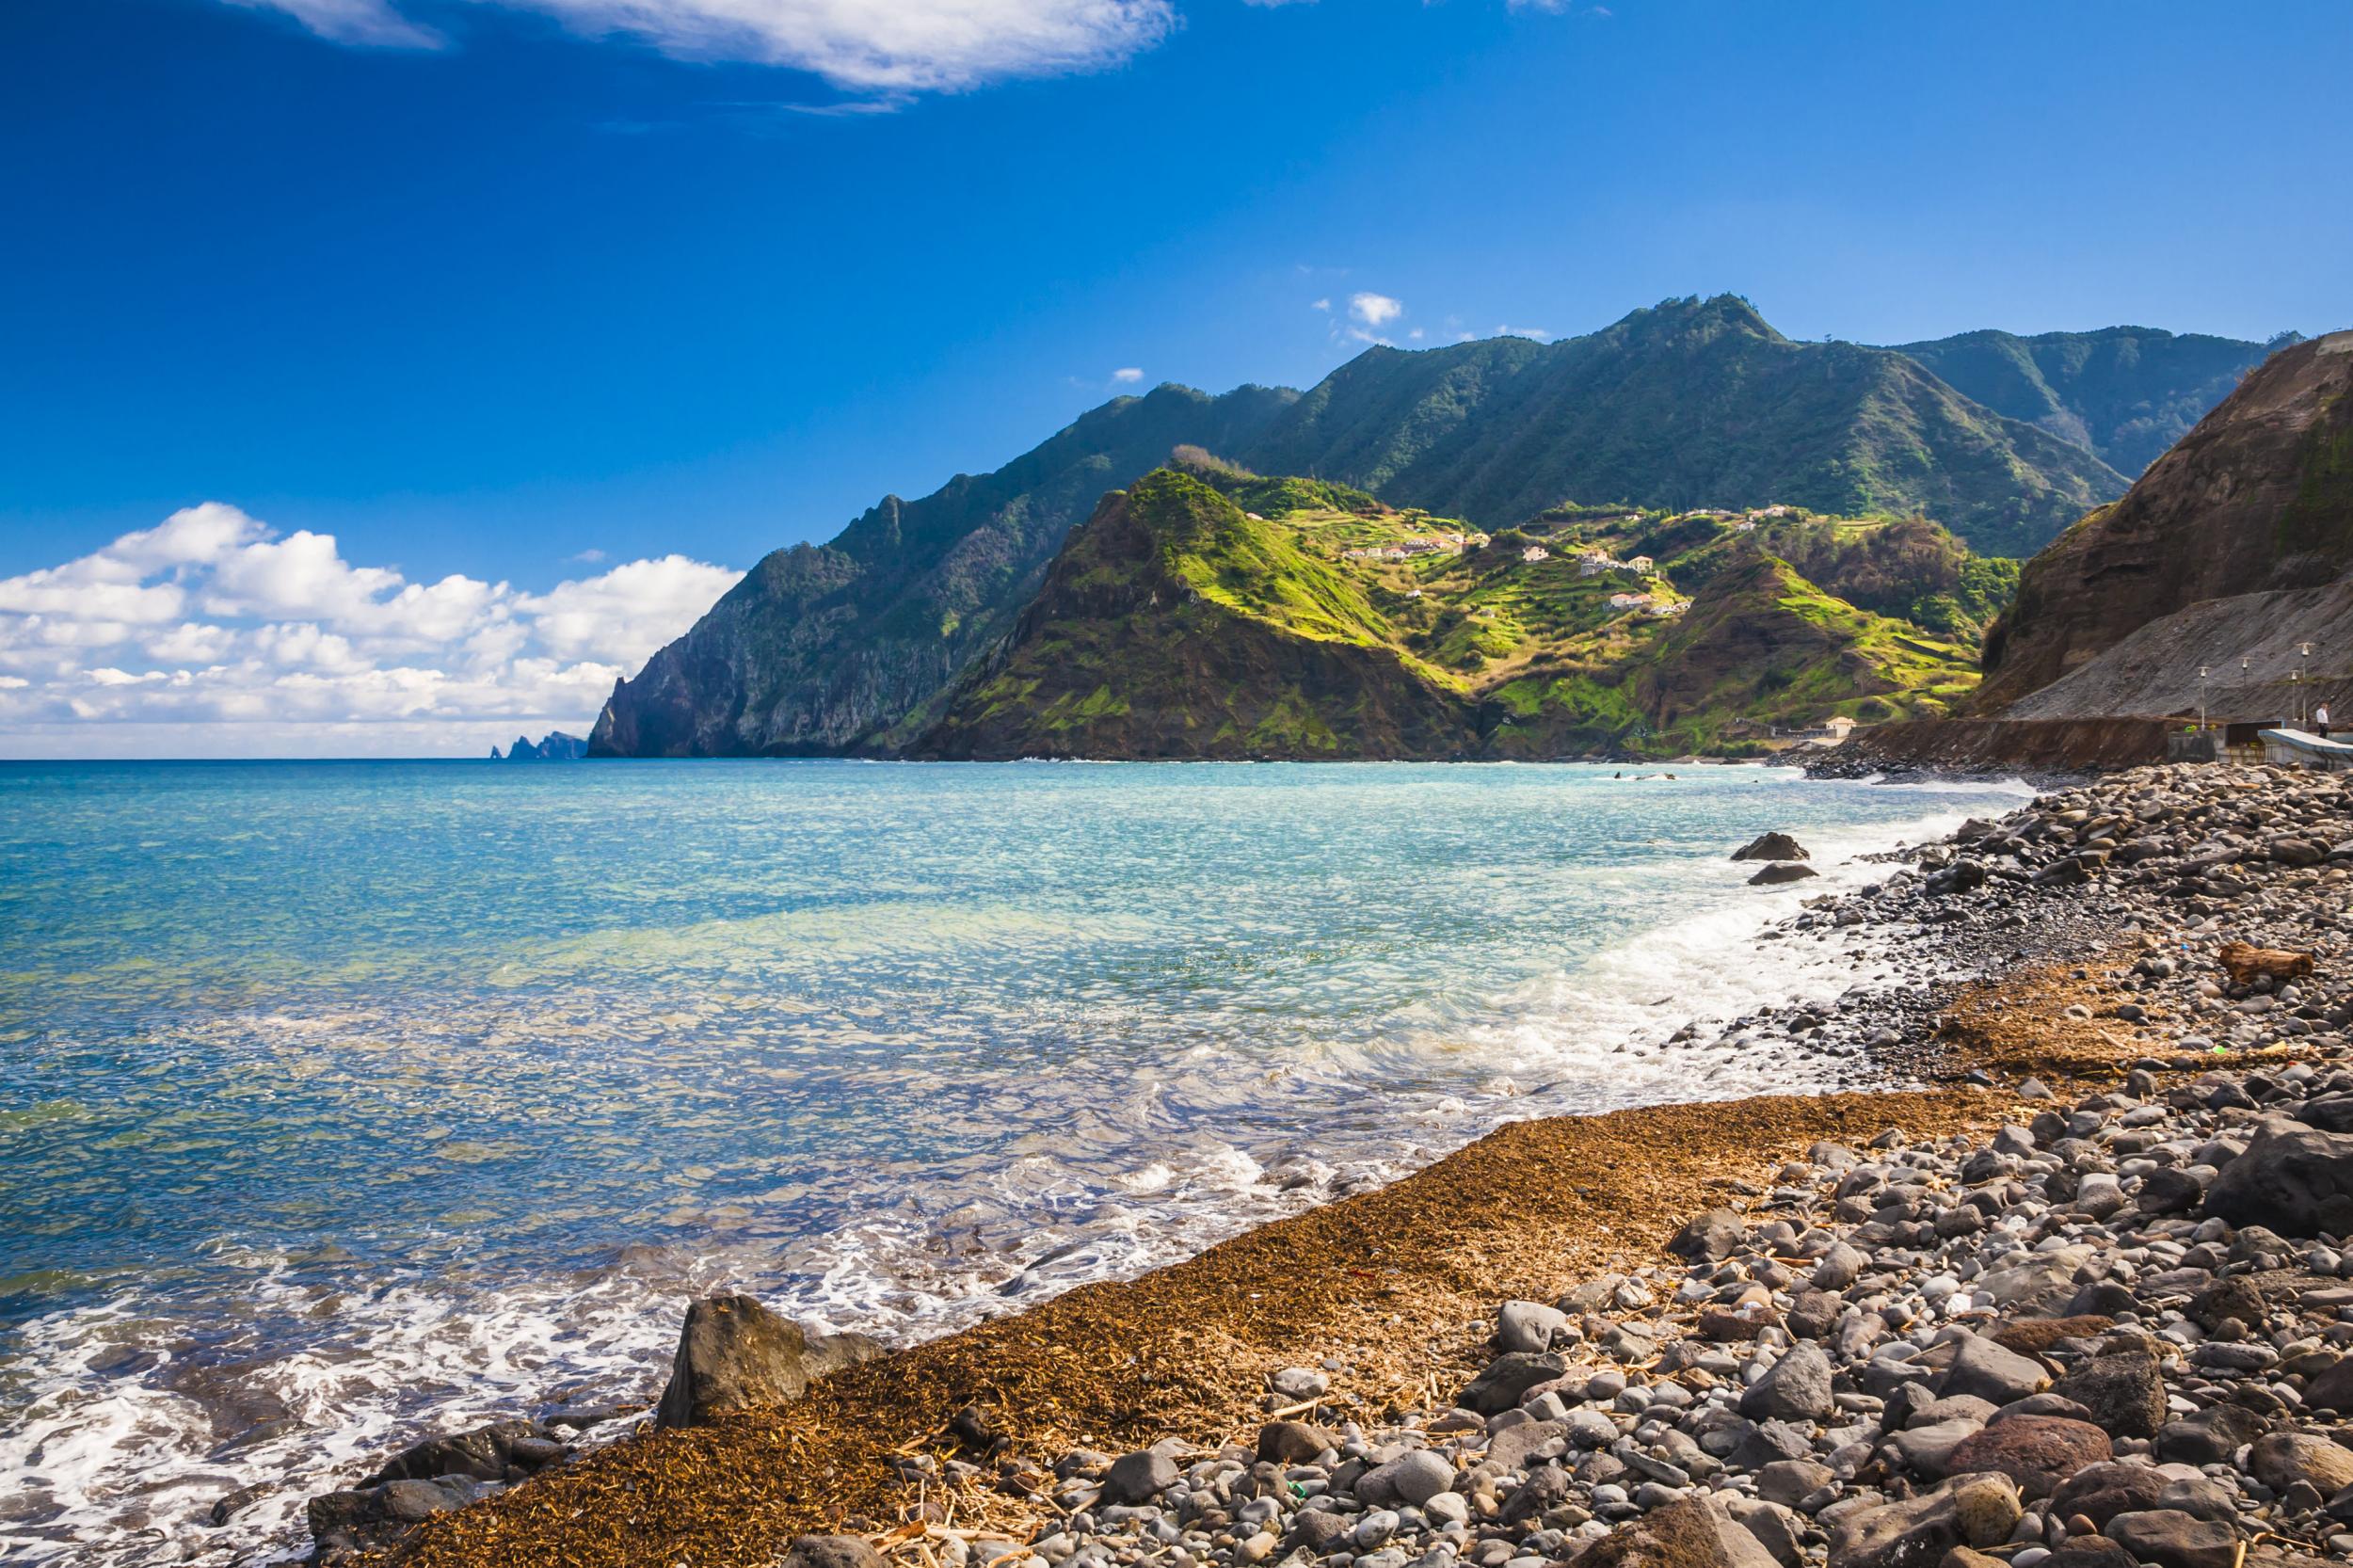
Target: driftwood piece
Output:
{"points": [[2246, 963]]}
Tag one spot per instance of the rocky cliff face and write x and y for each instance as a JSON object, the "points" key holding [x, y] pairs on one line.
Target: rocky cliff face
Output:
{"points": [[2256, 500], [1693, 403], [842, 648]]}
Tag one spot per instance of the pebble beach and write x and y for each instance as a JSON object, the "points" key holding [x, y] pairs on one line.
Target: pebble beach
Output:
{"points": [[2071, 1286]]}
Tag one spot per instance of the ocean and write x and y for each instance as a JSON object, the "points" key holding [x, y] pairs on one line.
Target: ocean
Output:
{"points": [[344, 1103]]}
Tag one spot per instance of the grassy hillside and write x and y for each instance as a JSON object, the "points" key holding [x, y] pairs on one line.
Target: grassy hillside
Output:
{"points": [[1694, 403], [1209, 611]]}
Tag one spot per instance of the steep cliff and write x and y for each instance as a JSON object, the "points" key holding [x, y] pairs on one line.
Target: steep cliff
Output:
{"points": [[1693, 403], [839, 648], [2257, 499]]}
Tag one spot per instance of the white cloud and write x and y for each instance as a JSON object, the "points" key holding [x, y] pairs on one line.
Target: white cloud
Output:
{"points": [[1536, 332], [873, 46], [1127, 374], [1375, 310], [369, 22], [625, 615], [212, 635], [1321, 305]]}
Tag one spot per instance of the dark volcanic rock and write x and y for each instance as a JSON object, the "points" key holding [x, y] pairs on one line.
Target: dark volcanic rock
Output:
{"points": [[373, 1518], [2293, 1179], [1772, 846], [2123, 1393], [734, 1353], [1781, 871]]}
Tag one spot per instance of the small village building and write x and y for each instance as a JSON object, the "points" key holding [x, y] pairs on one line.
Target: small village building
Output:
{"points": [[1534, 553], [1642, 564]]}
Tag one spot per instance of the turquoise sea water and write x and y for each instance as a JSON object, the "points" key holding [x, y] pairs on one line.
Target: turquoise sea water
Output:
{"points": [[343, 1102]]}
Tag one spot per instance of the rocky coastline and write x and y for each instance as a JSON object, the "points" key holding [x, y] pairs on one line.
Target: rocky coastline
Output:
{"points": [[2067, 1287]]}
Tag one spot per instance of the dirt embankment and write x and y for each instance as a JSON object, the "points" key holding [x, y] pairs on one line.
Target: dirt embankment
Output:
{"points": [[1982, 746]]}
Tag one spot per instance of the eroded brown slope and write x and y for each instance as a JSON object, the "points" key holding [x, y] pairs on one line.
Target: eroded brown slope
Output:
{"points": [[2258, 498]]}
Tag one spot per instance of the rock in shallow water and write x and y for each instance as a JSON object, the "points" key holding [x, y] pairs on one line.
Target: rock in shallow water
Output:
{"points": [[733, 1354]]}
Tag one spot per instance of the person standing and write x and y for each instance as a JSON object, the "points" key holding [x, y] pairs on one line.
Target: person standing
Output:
{"points": [[2320, 721]]}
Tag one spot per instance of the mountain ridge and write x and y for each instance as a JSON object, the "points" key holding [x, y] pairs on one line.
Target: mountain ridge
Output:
{"points": [[1688, 403], [854, 647], [2126, 392]]}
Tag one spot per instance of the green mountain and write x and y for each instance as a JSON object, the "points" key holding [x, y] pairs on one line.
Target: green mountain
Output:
{"points": [[825, 649], [850, 647], [1693, 403], [1176, 624], [1208, 613], [2127, 393]]}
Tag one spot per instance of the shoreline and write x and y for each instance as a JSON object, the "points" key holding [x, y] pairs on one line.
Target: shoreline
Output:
{"points": [[1124, 1364], [1704, 956]]}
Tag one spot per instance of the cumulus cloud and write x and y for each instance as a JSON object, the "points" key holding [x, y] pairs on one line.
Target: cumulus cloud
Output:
{"points": [[626, 613], [1127, 374], [872, 46], [1375, 310], [211, 633]]}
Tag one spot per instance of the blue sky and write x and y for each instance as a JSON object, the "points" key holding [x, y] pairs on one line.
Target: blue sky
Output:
{"points": [[485, 288]]}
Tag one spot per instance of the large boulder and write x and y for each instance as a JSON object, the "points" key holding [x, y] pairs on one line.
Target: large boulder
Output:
{"points": [[2123, 1392], [1967, 1510], [501, 1451], [1408, 1480], [1688, 1534], [2173, 1539], [1292, 1442], [2101, 1492], [2293, 1179], [1709, 1236], [1772, 846], [1139, 1478], [2036, 1452], [1506, 1381], [1982, 1368], [734, 1354], [2333, 1389], [2211, 1436], [1781, 871], [2284, 1458], [1796, 1388], [371, 1519]]}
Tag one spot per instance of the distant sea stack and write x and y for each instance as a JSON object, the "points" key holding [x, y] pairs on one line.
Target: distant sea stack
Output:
{"points": [[557, 748]]}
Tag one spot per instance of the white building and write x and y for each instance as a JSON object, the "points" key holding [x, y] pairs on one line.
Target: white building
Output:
{"points": [[1534, 553]]}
